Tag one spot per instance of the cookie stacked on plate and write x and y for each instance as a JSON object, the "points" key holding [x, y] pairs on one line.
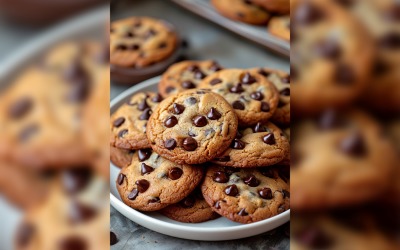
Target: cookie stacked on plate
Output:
{"points": [[208, 145]]}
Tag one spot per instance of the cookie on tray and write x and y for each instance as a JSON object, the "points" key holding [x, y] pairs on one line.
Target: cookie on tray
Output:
{"points": [[152, 182], [253, 97], [141, 41], [280, 26], [261, 145], [241, 10], [192, 127], [246, 195], [121, 157], [192, 209], [129, 121], [185, 75]]}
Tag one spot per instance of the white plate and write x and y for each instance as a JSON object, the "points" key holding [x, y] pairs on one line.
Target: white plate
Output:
{"points": [[219, 229]]}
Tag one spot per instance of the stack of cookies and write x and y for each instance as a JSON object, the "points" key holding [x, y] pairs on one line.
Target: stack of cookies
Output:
{"points": [[208, 144], [274, 13]]}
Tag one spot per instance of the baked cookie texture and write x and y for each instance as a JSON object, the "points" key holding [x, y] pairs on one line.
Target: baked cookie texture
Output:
{"points": [[141, 41], [280, 27], [192, 127], [121, 157], [246, 195]]}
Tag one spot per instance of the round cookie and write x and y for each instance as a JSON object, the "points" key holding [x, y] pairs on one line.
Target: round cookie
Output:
{"points": [[331, 56], [121, 157], [185, 75], [280, 26], [342, 156], [128, 123], [246, 195], [140, 41], [261, 145], [192, 127], [241, 10], [281, 80], [151, 182], [275, 6], [192, 209], [253, 97]]}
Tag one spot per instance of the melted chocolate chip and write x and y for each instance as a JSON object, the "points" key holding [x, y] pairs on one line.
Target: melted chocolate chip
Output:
{"points": [[285, 92], [113, 238], [237, 89], [237, 144], [257, 96], [217, 205], [170, 144], [189, 144], [20, 108], [286, 194], [243, 212], [215, 67], [353, 145], [252, 181], [73, 243], [146, 114], [193, 68], [238, 105], [199, 75], [120, 179], [144, 154], [119, 121], [248, 79], [269, 139], [200, 121], [188, 202], [213, 114], [175, 173], [178, 109], [133, 194], [265, 193], [188, 85], [143, 105], [79, 212], [170, 122], [307, 14], [268, 172], [259, 128], [134, 47], [157, 98], [25, 234], [390, 41], [75, 179], [145, 169], [265, 107], [220, 177], [142, 185], [232, 190], [129, 34], [215, 81], [121, 47], [224, 158], [344, 74], [122, 133]]}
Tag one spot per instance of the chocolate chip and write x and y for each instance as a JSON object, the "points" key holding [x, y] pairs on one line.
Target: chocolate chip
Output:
{"points": [[73, 243], [122, 133], [238, 105], [393, 13], [188, 85], [265, 107], [252, 181], [178, 109], [328, 49], [237, 89], [75, 179], [238, 135], [20, 108], [213, 114], [170, 144], [79, 92], [307, 14], [143, 105], [286, 194], [269, 139], [134, 47], [285, 92], [329, 119], [79, 213], [345, 3], [390, 41], [248, 79], [146, 169], [265, 193], [257, 96], [353, 145], [224, 158], [281, 104], [243, 212], [119, 121], [344, 74], [129, 34], [157, 98], [232, 190], [121, 47], [259, 128], [113, 238], [169, 89], [155, 200], [189, 144], [25, 234], [137, 24], [146, 114], [188, 202], [200, 121], [120, 179], [263, 72], [314, 238], [215, 81], [171, 121], [144, 154], [175, 173], [193, 68], [142, 185], [237, 144], [215, 67], [231, 170], [199, 75], [133, 194], [162, 45], [268, 172], [220, 177], [150, 33], [217, 205]]}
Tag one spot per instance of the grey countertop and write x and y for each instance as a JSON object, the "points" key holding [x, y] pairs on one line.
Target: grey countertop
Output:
{"points": [[206, 41]]}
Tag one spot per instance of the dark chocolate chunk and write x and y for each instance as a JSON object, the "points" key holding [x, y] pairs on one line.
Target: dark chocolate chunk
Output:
{"points": [[75, 179], [220, 177], [133, 194], [238, 105], [232, 190], [145, 169], [178, 109], [113, 238], [265, 193], [189, 144], [144, 154], [175, 173], [146, 114], [265, 107], [200, 121], [353, 145], [237, 144], [213, 114], [142, 185], [120, 179], [170, 144], [20, 108], [215, 81], [73, 243], [171, 121], [119, 121], [188, 85], [248, 79], [257, 96], [243, 212], [269, 139], [252, 181]]}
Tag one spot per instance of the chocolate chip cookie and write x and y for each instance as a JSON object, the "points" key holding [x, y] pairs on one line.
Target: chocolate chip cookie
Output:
{"points": [[128, 123], [337, 161], [185, 75], [246, 195], [192, 209], [253, 97], [241, 10], [141, 41], [152, 182], [261, 145], [192, 127], [280, 26], [331, 56], [275, 6], [121, 157], [281, 80]]}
